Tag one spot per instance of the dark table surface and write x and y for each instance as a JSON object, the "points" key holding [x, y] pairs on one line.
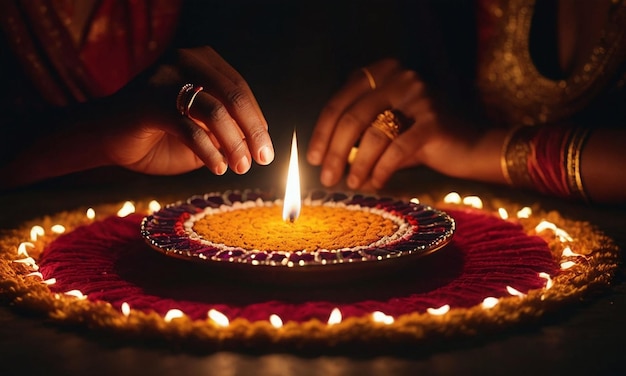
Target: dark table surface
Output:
{"points": [[291, 86]]}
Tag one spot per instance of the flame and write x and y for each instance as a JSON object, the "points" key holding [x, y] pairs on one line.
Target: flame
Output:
{"points": [[276, 321], [503, 213], [490, 302], [515, 292], [154, 206], [335, 317], [218, 317], [473, 201], [293, 201], [35, 232], [125, 309], [439, 311], [127, 209], [76, 293], [21, 249], [383, 318], [91, 214], [173, 314], [58, 229], [452, 198]]}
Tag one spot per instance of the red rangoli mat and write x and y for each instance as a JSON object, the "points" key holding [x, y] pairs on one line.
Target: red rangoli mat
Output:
{"points": [[495, 273]]}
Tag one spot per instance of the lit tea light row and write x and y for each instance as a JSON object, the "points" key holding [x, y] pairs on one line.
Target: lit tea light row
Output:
{"points": [[335, 316]]}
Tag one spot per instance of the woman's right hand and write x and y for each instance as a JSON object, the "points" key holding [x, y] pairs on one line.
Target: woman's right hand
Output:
{"points": [[225, 126]]}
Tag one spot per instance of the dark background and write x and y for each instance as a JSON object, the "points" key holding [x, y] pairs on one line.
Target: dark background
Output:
{"points": [[294, 55]]}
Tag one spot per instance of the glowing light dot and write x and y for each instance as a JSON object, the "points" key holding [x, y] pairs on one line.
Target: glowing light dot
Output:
{"points": [[515, 292], [415, 200], [154, 206], [452, 198], [382, 318], [91, 214], [27, 261], [567, 252], [473, 201], [127, 208], [50, 281], [503, 213], [76, 294], [524, 212], [548, 279], [567, 264], [545, 225], [563, 235], [125, 309], [173, 314], [439, 311], [335, 317], [490, 302], [35, 232], [58, 229], [276, 321], [21, 249], [218, 317]]}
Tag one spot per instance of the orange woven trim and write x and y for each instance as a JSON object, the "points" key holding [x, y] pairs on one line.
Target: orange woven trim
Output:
{"points": [[592, 271]]}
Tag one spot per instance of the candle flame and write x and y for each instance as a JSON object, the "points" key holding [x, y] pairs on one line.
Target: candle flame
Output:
{"points": [[489, 302], [293, 201], [335, 316], [125, 309], [36, 232], [218, 317], [439, 311], [173, 314], [276, 321]]}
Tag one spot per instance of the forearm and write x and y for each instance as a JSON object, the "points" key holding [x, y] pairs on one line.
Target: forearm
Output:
{"points": [[602, 161]]}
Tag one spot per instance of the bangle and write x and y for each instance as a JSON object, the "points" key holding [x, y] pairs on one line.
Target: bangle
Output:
{"points": [[546, 159], [574, 152], [516, 150]]}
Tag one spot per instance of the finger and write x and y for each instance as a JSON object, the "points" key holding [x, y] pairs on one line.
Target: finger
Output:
{"points": [[357, 86], [211, 114], [356, 121], [404, 151], [223, 82], [198, 140]]}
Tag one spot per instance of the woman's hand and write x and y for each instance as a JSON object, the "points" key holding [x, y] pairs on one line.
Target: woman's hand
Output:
{"points": [[424, 137], [225, 126]]}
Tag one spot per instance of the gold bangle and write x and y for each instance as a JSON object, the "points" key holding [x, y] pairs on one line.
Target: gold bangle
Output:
{"points": [[516, 151], [572, 163]]}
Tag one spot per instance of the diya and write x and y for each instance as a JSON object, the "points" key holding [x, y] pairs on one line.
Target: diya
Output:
{"points": [[338, 235]]}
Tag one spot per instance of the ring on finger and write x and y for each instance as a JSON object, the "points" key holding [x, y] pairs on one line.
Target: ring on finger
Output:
{"points": [[186, 95], [390, 123], [370, 78]]}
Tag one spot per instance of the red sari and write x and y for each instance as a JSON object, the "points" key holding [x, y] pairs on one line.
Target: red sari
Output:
{"points": [[69, 51]]}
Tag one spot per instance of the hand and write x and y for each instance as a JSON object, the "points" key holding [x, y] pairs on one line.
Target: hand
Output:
{"points": [[347, 119], [225, 128]]}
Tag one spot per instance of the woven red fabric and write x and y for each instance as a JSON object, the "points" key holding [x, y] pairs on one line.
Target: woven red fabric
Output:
{"points": [[109, 261]]}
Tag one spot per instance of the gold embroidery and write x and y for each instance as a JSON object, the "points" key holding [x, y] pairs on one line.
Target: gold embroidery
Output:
{"points": [[516, 93]]}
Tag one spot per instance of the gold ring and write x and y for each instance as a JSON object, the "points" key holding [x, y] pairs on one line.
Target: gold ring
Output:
{"points": [[388, 122], [370, 78], [352, 155], [186, 95]]}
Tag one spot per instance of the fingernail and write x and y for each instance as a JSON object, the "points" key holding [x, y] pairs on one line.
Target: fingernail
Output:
{"points": [[243, 165], [327, 177], [221, 168], [353, 182], [266, 155], [315, 157]]}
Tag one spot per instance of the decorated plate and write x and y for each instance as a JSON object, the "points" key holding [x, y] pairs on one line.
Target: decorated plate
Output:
{"points": [[338, 234]]}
